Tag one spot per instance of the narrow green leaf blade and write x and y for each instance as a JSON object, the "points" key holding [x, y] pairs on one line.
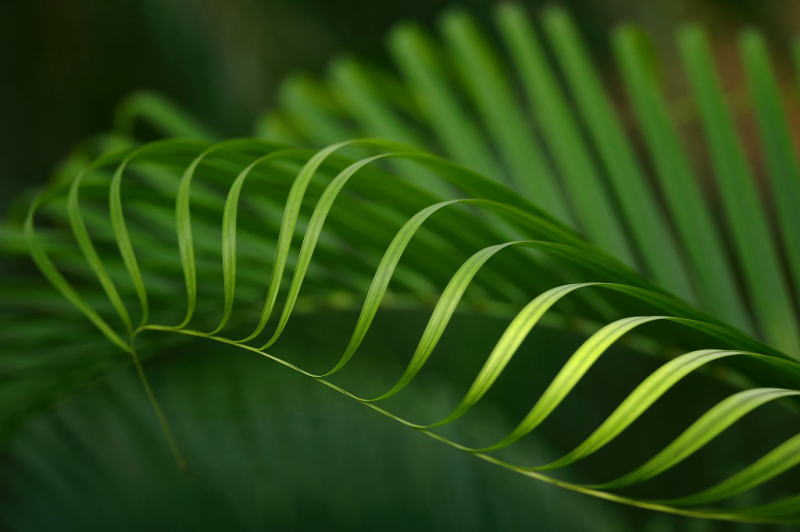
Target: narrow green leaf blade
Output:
{"points": [[750, 231]]}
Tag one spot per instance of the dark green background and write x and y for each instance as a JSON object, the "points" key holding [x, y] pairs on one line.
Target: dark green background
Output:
{"points": [[65, 64]]}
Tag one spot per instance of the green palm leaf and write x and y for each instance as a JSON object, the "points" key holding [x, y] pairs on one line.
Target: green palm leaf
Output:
{"points": [[552, 226]]}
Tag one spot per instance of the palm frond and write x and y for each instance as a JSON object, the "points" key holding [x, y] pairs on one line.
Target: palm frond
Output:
{"points": [[555, 225], [596, 184], [311, 194]]}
